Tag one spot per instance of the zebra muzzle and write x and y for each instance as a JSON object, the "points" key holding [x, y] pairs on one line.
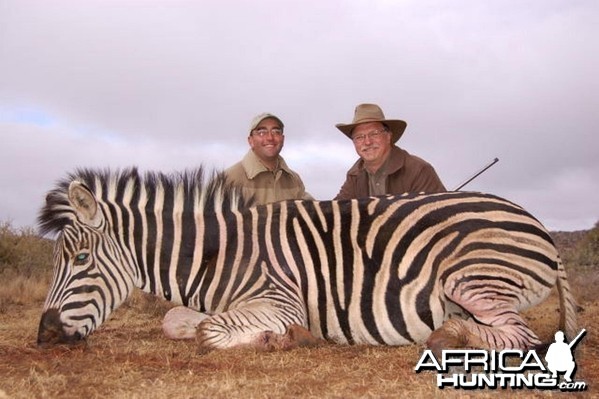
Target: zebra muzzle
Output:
{"points": [[51, 331]]}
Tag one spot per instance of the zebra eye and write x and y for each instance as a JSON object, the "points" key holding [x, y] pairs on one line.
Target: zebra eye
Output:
{"points": [[81, 259]]}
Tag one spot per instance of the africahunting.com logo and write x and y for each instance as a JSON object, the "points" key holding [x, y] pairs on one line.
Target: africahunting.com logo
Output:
{"points": [[508, 368]]}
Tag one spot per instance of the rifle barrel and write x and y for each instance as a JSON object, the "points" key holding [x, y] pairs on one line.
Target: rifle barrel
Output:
{"points": [[577, 338], [477, 174]]}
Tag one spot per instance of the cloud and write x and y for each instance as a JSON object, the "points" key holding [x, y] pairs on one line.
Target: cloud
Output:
{"points": [[171, 85]]}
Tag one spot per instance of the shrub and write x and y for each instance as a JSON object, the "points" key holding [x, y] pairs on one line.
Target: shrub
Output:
{"points": [[25, 266], [587, 251], [24, 253]]}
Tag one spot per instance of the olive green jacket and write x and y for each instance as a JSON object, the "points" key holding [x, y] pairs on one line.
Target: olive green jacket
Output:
{"points": [[265, 185], [405, 173]]}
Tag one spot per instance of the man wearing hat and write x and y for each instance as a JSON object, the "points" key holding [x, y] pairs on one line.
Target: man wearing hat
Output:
{"points": [[383, 167], [263, 173]]}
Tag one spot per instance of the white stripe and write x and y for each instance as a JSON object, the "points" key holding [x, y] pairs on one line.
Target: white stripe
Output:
{"points": [[158, 208], [178, 204]]}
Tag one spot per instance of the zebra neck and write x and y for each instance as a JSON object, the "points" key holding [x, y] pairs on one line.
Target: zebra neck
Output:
{"points": [[179, 257]]}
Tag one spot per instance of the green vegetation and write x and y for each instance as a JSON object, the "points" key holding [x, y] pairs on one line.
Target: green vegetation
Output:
{"points": [[587, 250]]}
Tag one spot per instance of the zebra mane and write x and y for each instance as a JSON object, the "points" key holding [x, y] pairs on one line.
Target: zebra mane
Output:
{"points": [[216, 194]]}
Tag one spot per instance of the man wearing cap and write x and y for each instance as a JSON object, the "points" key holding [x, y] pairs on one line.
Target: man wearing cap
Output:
{"points": [[383, 167], [263, 173]]}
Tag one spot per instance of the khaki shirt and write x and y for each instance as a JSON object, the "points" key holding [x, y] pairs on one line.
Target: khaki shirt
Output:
{"points": [[405, 173], [265, 185]]}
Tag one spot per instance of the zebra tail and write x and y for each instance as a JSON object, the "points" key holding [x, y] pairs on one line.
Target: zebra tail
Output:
{"points": [[568, 306]]}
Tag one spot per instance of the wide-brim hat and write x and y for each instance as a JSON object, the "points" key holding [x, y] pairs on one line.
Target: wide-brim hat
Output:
{"points": [[365, 113]]}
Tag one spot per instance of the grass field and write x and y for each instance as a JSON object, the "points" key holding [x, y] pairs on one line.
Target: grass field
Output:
{"points": [[128, 357]]}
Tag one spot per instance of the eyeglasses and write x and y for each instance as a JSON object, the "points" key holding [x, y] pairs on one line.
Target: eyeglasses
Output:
{"points": [[263, 132], [374, 135]]}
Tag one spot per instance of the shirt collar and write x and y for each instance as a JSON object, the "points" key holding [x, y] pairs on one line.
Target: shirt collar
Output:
{"points": [[253, 167]]}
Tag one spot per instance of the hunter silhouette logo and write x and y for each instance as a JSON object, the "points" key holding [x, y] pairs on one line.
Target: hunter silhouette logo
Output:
{"points": [[509, 368], [559, 355]]}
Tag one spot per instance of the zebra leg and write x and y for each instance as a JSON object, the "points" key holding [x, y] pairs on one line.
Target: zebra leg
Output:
{"points": [[181, 322], [264, 327], [494, 324]]}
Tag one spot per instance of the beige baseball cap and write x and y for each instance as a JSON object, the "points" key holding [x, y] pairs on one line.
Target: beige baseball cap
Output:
{"points": [[259, 118]]}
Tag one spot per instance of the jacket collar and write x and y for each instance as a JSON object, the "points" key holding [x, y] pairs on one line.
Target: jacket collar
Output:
{"points": [[253, 167]]}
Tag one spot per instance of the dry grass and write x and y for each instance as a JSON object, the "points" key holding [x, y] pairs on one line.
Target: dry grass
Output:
{"points": [[19, 290], [128, 357]]}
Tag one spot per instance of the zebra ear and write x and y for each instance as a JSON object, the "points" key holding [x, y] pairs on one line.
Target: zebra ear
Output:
{"points": [[85, 204]]}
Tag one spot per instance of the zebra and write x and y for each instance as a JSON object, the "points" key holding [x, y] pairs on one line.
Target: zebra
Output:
{"points": [[448, 270]]}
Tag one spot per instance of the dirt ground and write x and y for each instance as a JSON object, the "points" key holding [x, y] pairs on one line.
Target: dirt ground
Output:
{"points": [[128, 357]]}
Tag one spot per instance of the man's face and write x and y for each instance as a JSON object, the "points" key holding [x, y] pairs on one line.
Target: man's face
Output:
{"points": [[267, 139], [371, 141]]}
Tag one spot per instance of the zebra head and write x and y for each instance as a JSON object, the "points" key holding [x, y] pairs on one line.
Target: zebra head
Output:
{"points": [[92, 274]]}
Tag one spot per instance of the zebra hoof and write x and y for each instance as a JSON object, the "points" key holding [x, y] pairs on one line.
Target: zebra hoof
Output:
{"points": [[301, 336]]}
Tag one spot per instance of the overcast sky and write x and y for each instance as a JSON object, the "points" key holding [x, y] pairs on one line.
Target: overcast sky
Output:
{"points": [[169, 85]]}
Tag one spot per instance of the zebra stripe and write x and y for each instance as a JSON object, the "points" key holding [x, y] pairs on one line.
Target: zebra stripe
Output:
{"points": [[387, 270]]}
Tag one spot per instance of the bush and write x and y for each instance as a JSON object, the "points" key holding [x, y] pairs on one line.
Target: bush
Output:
{"points": [[25, 267], [24, 253], [587, 251]]}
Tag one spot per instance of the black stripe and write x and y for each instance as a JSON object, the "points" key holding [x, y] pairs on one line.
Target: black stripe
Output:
{"points": [[168, 236], [188, 238], [138, 229], [152, 231]]}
